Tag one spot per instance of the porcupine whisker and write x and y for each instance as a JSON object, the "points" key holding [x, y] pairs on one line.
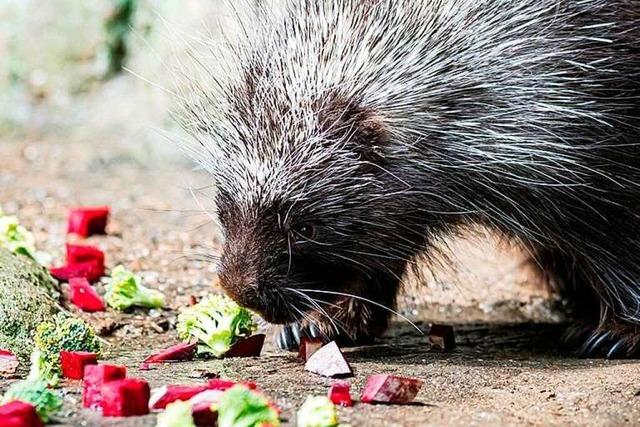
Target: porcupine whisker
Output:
{"points": [[317, 307], [314, 304], [210, 259], [211, 215], [377, 304], [310, 298]]}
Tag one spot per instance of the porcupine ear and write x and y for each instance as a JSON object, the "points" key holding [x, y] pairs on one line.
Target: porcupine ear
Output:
{"points": [[362, 127]]}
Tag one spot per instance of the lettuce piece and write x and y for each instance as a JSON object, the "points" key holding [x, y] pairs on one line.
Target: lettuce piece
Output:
{"points": [[217, 322], [125, 290], [176, 414], [240, 406], [317, 411], [18, 240], [35, 391]]}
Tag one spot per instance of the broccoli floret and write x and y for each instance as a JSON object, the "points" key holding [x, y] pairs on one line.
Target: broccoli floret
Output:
{"points": [[125, 290], [17, 239], [317, 411], [42, 369], [177, 414], [36, 392], [240, 406], [216, 322], [62, 333]]}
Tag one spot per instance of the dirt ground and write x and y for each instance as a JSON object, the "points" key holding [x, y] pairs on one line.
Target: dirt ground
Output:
{"points": [[504, 371]]}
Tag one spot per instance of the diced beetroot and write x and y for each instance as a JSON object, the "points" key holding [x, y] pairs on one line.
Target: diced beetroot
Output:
{"points": [[308, 346], [176, 353], [86, 221], [74, 362], [219, 384], [441, 337], [208, 396], [384, 388], [8, 362], [19, 414], [247, 347], [161, 397], [94, 377], [84, 296], [329, 361], [203, 416], [339, 394], [77, 254], [69, 271], [125, 398]]}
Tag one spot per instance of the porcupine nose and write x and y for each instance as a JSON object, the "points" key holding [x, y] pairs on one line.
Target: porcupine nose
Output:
{"points": [[239, 279]]}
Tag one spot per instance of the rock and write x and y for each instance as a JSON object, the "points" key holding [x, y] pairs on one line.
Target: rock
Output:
{"points": [[28, 296]]}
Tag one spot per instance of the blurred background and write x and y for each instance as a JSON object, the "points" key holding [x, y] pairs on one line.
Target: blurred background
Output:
{"points": [[85, 119], [62, 69]]}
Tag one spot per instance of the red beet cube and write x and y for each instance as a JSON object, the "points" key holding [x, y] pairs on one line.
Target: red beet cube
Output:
{"points": [[329, 362], [162, 396], [203, 416], [84, 296], [339, 394], [94, 377], [383, 388], [74, 362], [8, 362], [83, 269], [125, 398], [308, 346], [178, 352], [247, 347], [19, 414], [208, 396], [86, 221], [77, 254], [441, 337], [218, 384]]}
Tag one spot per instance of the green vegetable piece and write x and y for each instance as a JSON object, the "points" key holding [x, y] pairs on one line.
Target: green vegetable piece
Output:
{"points": [[62, 333], [41, 369], [18, 240], [36, 392], [217, 322], [125, 290], [176, 414], [317, 411], [240, 406]]}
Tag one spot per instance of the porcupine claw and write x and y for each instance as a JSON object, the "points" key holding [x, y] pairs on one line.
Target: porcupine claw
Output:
{"points": [[595, 343], [289, 336]]}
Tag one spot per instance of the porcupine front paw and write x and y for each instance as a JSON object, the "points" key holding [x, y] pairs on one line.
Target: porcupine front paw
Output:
{"points": [[350, 321], [288, 337], [611, 340]]}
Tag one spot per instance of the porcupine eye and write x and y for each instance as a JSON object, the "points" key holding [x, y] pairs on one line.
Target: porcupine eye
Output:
{"points": [[305, 231]]}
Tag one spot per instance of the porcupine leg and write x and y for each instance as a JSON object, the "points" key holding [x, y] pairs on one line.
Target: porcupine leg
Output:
{"points": [[597, 331], [353, 321]]}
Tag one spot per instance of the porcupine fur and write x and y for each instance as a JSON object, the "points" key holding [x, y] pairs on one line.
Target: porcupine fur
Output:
{"points": [[345, 137]]}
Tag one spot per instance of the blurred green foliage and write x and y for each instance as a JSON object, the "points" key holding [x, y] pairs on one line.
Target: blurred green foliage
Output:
{"points": [[61, 62], [117, 28]]}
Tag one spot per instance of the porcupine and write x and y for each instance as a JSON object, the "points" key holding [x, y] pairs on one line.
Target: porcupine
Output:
{"points": [[346, 137]]}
